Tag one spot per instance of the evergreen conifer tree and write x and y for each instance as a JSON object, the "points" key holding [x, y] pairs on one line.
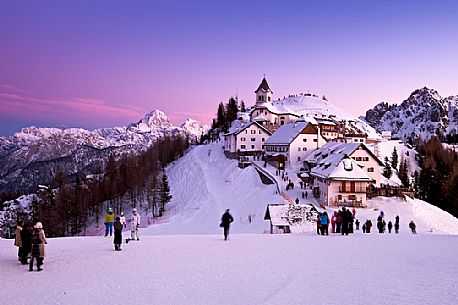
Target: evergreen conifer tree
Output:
{"points": [[394, 158], [387, 171]]}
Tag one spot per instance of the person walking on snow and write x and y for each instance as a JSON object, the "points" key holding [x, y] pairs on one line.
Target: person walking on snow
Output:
{"points": [[226, 221], [134, 224], [117, 233], [26, 236], [109, 218], [413, 227]]}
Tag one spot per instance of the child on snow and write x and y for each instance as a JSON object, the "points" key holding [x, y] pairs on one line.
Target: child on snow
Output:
{"points": [[38, 246]]}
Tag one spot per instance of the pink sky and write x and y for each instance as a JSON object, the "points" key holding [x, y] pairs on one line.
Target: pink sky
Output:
{"points": [[107, 63]]}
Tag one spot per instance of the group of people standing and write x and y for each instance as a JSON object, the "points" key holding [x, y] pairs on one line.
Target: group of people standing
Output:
{"points": [[119, 223], [31, 244], [342, 221]]}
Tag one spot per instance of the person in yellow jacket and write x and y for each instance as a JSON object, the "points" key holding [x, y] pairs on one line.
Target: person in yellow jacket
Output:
{"points": [[109, 219]]}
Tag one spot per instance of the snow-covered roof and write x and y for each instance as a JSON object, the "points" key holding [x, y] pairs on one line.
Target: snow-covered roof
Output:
{"points": [[238, 126], [263, 86], [338, 148], [286, 133], [260, 118], [340, 167], [288, 214]]}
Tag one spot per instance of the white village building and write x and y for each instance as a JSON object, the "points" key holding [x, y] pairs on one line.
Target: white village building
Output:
{"points": [[245, 139], [291, 143], [339, 180], [359, 152]]}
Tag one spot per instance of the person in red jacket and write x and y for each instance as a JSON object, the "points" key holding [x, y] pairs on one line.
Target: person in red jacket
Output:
{"points": [[333, 222]]}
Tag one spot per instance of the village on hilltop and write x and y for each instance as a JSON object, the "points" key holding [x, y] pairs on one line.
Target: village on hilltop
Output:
{"points": [[337, 161]]}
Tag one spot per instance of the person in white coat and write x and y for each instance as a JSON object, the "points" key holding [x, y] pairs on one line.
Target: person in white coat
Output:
{"points": [[134, 224], [122, 219]]}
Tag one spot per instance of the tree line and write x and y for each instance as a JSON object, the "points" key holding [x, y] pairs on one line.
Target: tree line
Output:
{"points": [[437, 183], [130, 180]]}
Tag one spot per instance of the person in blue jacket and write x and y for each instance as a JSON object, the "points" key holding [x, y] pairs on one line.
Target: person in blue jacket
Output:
{"points": [[324, 220]]}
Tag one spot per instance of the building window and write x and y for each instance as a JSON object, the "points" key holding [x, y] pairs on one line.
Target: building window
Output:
{"points": [[304, 149], [252, 146], [253, 132], [365, 158], [305, 140], [298, 158], [315, 140], [242, 146], [351, 197], [246, 131], [253, 139], [242, 139], [298, 149], [359, 159], [260, 132], [263, 139], [370, 169], [268, 98], [339, 197], [265, 112], [282, 122]]}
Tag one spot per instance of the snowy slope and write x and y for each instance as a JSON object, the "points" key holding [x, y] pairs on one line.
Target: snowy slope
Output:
{"points": [[204, 186], [248, 269]]}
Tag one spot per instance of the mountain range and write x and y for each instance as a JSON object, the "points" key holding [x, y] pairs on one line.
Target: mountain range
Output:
{"points": [[34, 155], [425, 113]]}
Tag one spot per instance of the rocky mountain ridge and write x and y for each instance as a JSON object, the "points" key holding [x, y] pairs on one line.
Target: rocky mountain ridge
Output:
{"points": [[34, 155], [423, 114]]}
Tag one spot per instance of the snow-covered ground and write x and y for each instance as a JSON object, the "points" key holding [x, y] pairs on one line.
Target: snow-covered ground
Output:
{"points": [[248, 269]]}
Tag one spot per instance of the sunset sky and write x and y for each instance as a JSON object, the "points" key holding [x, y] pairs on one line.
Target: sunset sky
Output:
{"points": [[97, 63]]}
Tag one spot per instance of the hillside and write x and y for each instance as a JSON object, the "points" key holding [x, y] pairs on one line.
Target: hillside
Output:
{"points": [[311, 106], [248, 269], [423, 114], [204, 186]]}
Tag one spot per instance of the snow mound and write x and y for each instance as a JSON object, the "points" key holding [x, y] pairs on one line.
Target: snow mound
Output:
{"points": [[439, 221]]}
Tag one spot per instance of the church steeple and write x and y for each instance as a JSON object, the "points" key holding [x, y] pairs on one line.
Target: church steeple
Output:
{"points": [[263, 93]]}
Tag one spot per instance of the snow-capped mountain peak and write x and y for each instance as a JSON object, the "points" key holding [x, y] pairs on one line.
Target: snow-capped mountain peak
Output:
{"points": [[153, 121], [194, 127]]}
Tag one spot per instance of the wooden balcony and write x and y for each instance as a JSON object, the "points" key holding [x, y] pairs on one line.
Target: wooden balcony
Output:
{"points": [[356, 189]]}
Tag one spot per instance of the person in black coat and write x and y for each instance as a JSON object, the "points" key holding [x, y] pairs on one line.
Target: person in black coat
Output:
{"points": [[117, 233], [26, 236], [345, 221], [226, 220]]}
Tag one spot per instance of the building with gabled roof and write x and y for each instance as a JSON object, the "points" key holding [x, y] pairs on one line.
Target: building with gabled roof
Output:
{"points": [[339, 180], [291, 143], [357, 151], [245, 139]]}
